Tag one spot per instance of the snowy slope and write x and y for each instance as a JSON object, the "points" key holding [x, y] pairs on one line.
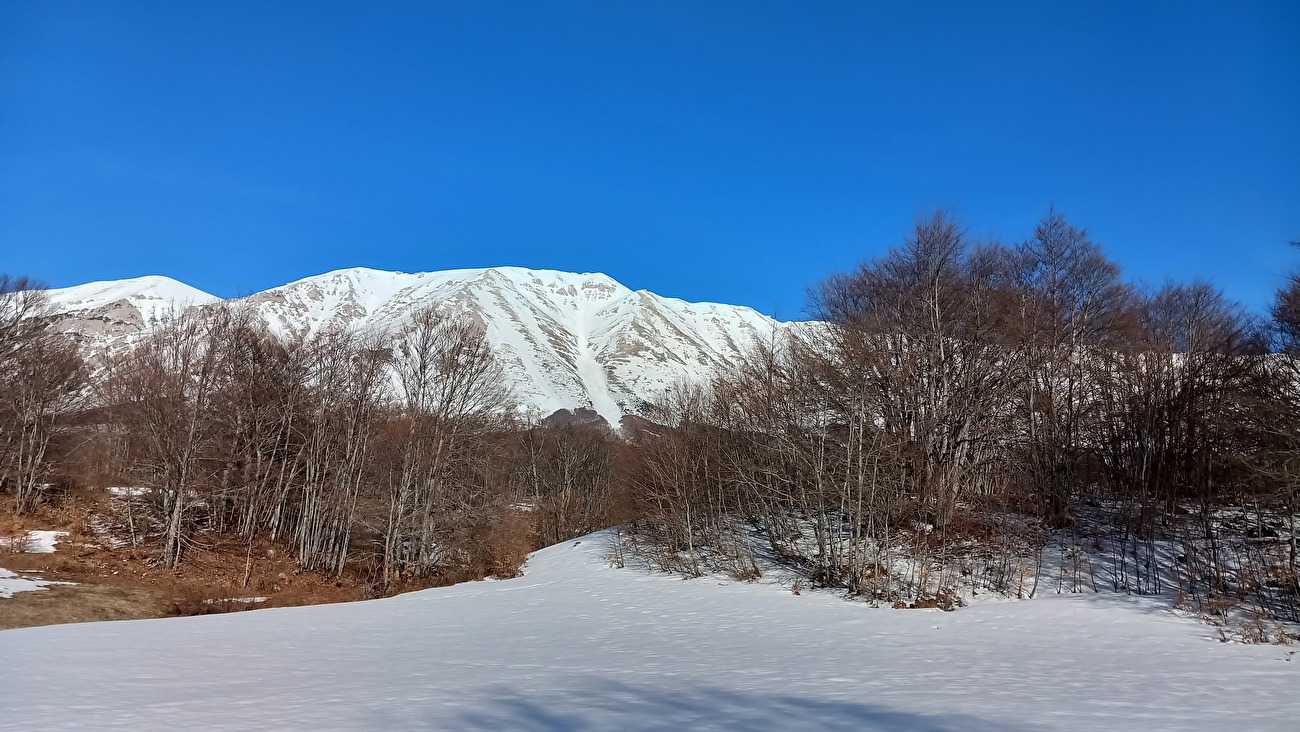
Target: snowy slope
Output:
{"points": [[153, 296], [578, 645], [567, 340], [110, 314]]}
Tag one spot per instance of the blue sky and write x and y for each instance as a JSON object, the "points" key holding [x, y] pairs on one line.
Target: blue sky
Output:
{"points": [[735, 152]]}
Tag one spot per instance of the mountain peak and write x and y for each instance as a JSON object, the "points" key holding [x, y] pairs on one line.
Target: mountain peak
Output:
{"points": [[153, 287], [566, 340]]}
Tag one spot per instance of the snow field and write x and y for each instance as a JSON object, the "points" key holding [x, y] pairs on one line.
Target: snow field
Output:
{"points": [[578, 645]]}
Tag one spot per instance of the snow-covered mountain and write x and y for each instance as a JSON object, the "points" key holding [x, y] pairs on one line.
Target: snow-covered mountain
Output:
{"points": [[567, 340], [117, 309]]}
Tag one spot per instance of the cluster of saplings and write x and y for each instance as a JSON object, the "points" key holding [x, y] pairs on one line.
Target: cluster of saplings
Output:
{"points": [[954, 405], [399, 458]]}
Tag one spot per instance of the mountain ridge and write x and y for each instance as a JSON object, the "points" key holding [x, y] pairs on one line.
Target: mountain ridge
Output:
{"points": [[566, 340]]}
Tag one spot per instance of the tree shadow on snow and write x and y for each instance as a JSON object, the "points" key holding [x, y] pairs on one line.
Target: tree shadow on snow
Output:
{"points": [[601, 704], [1158, 605]]}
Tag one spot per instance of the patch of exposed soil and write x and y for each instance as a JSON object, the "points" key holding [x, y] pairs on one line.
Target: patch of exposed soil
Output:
{"points": [[119, 583], [76, 604]]}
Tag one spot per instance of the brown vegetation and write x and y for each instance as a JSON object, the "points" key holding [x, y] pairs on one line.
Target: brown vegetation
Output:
{"points": [[335, 466], [964, 400]]}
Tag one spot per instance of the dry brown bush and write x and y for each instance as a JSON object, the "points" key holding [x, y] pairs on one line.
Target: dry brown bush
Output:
{"points": [[508, 541]]}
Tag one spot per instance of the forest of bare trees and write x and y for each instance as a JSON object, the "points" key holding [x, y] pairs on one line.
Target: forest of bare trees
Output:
{"points": [[397, 457], [961, 414], [990, 416]]}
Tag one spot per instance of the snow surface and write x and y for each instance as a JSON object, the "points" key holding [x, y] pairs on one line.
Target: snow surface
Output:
{"points": [[33, 542], [578, 645], [247, 600], [127, 491], [11, 584], [43, 542]]}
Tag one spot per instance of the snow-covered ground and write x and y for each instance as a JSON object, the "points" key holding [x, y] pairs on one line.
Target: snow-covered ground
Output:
{"points": [[43, 542], [578, 645], [245, 600], [33, 542], [11, 583]]}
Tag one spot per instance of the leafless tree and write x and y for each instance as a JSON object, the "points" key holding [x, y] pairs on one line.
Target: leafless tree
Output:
{"points": [[568, 479], [1071, 307], [452, 395], [42, 379], [163, 390], [929, 320]]}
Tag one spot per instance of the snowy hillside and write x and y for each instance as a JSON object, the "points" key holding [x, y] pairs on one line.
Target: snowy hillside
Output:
{"points": [[106, 312], [578, 645], [567, 340]]}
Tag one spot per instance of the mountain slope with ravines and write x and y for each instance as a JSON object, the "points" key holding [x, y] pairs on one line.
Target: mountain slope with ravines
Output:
{"points": [[567, 341]]}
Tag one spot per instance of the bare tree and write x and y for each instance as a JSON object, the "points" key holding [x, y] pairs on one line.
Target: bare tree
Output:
{"points": [[1071, 307], [929, 320], [347, 382], [567, 476], [42, 377], [452, 395], [164, 389]]}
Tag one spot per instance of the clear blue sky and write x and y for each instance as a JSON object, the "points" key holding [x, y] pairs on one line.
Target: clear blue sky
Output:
{"points": [[734, 152]]}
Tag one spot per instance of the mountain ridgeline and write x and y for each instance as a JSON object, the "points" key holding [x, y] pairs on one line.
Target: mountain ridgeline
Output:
{"points": [[565, 341]]}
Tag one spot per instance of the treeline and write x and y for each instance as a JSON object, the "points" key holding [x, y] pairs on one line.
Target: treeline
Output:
{"points": [[400, 457], [955, 411], [962, 402]]}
